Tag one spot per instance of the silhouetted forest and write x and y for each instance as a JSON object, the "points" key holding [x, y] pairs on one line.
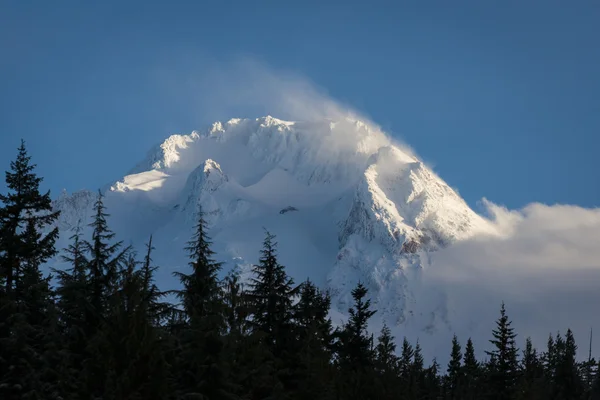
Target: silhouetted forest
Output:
{"points": [[102, 329]]}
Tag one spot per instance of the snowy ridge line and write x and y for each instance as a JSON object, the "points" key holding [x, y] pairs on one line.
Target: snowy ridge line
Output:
{"points": [[364, 209]]}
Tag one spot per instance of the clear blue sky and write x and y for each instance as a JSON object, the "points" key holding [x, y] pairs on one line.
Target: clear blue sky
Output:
{"points": [[503, 98]]}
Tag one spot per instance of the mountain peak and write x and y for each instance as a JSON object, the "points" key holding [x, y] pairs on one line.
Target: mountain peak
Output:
{"points": [[363, 208]]}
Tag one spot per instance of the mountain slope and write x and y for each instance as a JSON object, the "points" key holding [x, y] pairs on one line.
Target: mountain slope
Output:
{"points": [[345, 203]]}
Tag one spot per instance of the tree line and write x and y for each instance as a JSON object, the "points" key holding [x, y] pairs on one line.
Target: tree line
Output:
{"points": [[102, 329]]}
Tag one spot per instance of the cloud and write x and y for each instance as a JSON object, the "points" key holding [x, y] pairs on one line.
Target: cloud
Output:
{"points": [[205, 90], [244, 86], [544, 264]]}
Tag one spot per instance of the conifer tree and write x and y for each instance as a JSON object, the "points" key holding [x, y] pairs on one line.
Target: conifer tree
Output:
{"points": [[387, 360], [74, 312], [454, 372], [531, 378], [201, 371], [129, 344], [386, 364], [356, 343], [471, 372], [354, 350], [433, 382], [417, 382], [568, 383], [314, 335], [405, 363], [271, 296], [103, 265], [503, 359], [27, 312]]}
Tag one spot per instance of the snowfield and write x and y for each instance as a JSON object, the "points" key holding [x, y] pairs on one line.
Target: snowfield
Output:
{"points": [[345, 202]]}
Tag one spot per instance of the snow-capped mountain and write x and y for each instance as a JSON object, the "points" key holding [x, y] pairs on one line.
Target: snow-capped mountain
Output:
{"points": [[345, 202]]}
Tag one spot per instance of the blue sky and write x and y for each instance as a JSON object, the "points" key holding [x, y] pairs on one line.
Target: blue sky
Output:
{"points": [[503, 99]]}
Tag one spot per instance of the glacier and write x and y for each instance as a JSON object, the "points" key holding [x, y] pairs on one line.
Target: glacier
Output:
{"points": [[346, 203]]}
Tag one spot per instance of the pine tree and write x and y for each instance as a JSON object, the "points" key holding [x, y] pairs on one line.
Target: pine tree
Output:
{"points": [[386, 364], [503, 359], [406, 357], [105, 260], [201, 370], [549, 361], [531, 378], [314, 336], [386, 359], [433, 382], [471, 372], [354, 350], [271, 296], [27, 312], [417, 381], [129, 345], [454, 372], [74, 313], [568, 383], [103, 265]]}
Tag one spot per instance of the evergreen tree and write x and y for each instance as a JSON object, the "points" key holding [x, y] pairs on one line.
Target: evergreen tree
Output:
{"points": [[103, 265], [102, 270], [27, 312], [454, 372], [74, 313], [271, 296], [386, 364], [471, 372], [201, 371], [531, 377], [314, 331], [386, 358], [433, 382], [503, 359], [129, 343], [354, 349], [568, 383], [405, 363], [549, 361], [417, 379]]}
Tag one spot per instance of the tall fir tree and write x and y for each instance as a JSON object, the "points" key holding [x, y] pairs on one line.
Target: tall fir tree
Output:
{"points": [[531, 384], [471, 372], [201, 371], [130, 345], [417, 378], [386, 364], [454, 372], [105, 257], [74, 312], [568, 383], [27, 313], [314, 343], [355, 354], [503, 364], [271, 294]]}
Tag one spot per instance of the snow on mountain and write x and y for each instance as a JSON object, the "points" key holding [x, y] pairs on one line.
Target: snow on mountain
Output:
{"points": [[345, 202]]}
